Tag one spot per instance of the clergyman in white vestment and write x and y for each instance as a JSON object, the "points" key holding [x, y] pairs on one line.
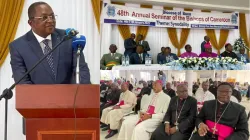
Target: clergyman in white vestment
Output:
{"points": [[139, 127], [202, 95], [113, 115]]}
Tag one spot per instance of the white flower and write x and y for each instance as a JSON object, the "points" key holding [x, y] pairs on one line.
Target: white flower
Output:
{"points": [[224, 61], [195, 61]]}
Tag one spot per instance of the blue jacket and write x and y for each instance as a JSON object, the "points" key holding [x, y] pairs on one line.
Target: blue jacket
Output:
{"points": [[166, 59], [26, 51]]}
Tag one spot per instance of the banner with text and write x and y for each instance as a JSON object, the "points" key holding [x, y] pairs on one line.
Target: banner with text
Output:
{"points": [[117, 14]]}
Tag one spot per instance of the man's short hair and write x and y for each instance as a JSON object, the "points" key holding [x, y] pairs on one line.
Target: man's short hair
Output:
{"points": [[112, 45], [187, 46], [205, 37], [168, 48], [226, 83], [227, 45], [32, 8]]}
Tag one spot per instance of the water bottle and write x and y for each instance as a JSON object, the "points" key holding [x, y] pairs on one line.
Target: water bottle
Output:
{"points": [[243, 58], [123, 60], [149, 60], [127, 60], [146, 60]]}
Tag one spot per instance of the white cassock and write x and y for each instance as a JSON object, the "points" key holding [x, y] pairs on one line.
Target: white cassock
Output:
{"points": [[113, 117], [202, 96], [130, 130]]}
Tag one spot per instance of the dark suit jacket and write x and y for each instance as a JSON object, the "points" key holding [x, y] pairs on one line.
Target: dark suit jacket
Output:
{"points": [[170, 92], [187, 117], [162, 58], [130, 46], [26, 51], [237, 95], [202, 46], [135, 59], [227, 54], [145, 45]]}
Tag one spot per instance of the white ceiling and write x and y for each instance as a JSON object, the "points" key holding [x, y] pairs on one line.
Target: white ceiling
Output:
{"points": [[217, 5]]}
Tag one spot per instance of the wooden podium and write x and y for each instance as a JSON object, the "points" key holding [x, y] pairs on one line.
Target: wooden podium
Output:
{"points": [[50, 114]]}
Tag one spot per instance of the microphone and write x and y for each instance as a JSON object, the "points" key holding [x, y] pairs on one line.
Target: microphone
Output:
{"points": [[78, 42], [70, 33]]}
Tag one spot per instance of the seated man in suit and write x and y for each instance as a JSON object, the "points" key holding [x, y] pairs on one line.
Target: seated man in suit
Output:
{"points": [[229, 52], [206, 40], [242, 56], [130, 45], [188, 52], [169, 91], [139, 56], [60, 66], [208, 51], [159, 55], [111, 59], [168, 56], [143, 43]]}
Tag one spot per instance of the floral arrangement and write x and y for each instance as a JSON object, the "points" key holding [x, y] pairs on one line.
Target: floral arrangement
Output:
{"points": [[239, 43], [196, 63]]}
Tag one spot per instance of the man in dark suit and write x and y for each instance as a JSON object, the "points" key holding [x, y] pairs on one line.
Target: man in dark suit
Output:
{"points": [[229, 52], [143, 43], [159, 55], [60, 66], [206, 40], [168, 56], [130, 45], [169, 91], [139, 56]]}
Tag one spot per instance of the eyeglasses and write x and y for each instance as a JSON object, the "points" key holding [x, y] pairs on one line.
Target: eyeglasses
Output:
{"points": [[45, 18]]}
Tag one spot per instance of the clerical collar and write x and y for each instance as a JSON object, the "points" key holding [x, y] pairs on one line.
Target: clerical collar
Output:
{"points": [[221, 102]]}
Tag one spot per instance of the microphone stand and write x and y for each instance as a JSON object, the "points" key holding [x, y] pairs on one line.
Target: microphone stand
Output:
{"points": [[78, 54], [7, 93]]}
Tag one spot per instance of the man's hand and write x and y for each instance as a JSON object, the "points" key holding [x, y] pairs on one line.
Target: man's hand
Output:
{"points": [[109, 68], [116, 107], [146, 116], [172, 130], [141, 115], [202, 129], [167, 128]]}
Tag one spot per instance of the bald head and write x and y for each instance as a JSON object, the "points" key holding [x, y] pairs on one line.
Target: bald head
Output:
{"points": [[114, 86], [168, 85], [124, 87], [145, 84], [205, 85], [182, 91], [157, 86]]}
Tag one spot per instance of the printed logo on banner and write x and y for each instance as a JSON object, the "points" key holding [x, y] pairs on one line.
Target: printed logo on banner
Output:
{"points": [[111, 11], [234, 18]]}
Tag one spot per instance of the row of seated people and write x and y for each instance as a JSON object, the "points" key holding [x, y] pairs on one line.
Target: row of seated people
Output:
{"points": [[162, 117], [165, 56]]}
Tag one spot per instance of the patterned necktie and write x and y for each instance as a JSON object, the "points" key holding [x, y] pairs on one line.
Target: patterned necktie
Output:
{"points": [[47, 49]]}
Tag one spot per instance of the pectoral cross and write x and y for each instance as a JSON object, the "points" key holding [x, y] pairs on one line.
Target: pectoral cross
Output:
{"points": [[176, 123], [214, 129]]}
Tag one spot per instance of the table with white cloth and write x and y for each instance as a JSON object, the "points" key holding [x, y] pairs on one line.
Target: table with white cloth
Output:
{"points": [[157, 67]]}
